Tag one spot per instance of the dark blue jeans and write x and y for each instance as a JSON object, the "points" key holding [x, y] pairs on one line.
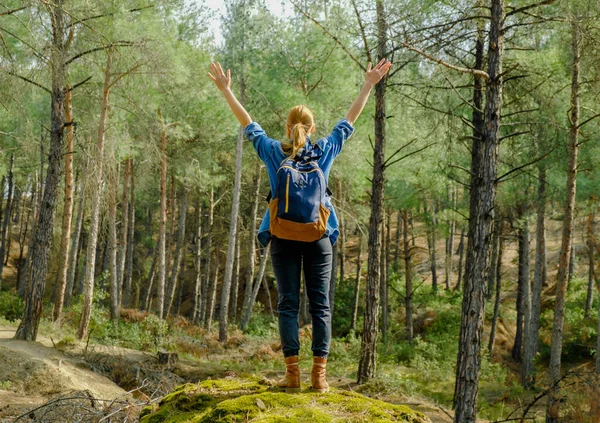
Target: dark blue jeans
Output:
{"points": [[289, 258]]}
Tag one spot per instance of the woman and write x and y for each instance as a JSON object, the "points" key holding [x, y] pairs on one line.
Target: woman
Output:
{"points": [[288, 254]]}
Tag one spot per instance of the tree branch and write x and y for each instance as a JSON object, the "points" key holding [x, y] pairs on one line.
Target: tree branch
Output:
{"points": [[516, 169], [79, 84], [28, 80], [588, 120], [529, 7], [410, 154], [362, 32], [92, 50], [10, 12], [348, 52]]}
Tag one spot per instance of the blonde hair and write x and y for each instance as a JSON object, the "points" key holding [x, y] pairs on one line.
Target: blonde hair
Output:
{"points": [[300, 122]]}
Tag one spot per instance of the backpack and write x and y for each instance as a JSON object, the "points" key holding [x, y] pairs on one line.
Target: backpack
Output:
{"points": [[297, 209]]}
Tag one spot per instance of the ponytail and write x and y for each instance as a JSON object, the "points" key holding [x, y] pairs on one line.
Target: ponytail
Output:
{"points": [[300, 122], [298, 138]]}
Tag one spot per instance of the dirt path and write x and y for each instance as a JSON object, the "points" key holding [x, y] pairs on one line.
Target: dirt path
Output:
{"points": [[32, 372]]}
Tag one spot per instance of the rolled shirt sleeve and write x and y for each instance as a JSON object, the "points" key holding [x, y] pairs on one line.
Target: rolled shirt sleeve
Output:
{"points": [[259, 139]]}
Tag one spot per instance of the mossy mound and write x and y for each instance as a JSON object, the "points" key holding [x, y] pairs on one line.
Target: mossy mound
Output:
{"points": [[234, 400]]}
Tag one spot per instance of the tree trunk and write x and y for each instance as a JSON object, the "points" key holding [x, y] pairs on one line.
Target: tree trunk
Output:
{"points": [[206, 285], [23, 234], [122, 253], [252, 243], [198, 265], [88, 286], [450, 240], [356, 285], [494, 258], [75, 247], [235, 207], [63, 256], [408, 275], [162, 234], [539, 279], [6, 218], [130, 242], [147, 290], [571, 263], [524, 294], [256, 286], [235, 278], [178, 252], [212, 294], [481, 214], [383, 282], [498, 285], [398, 237], [461, 257], [368, 358], [113, 266], [528, 360], [265, 283], [431, 241], [36, 285], [552, 411], [591, 247]]}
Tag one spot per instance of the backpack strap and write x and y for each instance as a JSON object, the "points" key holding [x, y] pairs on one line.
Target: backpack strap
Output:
{"points": [[270, 195]]}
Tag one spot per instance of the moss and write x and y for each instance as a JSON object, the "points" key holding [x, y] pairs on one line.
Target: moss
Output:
{"points": [[236, 400]]}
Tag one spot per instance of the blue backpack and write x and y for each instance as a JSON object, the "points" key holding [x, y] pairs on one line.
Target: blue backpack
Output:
{"points": [[297, 208]]}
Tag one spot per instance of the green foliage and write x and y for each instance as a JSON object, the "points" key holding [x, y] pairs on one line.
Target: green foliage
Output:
{"points": [[260, 323], [11, 306]]}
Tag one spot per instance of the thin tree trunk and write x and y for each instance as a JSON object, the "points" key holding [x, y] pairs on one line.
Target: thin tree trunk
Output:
{"points": [[178, 252], [122, 247], [256, 286], [481, 213], [6, 218], [461, 257], [265, 283], [88, 286], [40, 252], [552, 412], [75, 247], [113, 263], [408, 275], [498, 285], [130, 242], [63, 256], [252, 243], [383, 283], [207, 286], [212, 295], [524, 294], [162, 234], [23, 234], [368, 358], [147, 290], [539, 278], [398, 238], [431, 240], [236, 276], [494, 258], [198, 265], [591, 246], [356, 285], [450, 241]]}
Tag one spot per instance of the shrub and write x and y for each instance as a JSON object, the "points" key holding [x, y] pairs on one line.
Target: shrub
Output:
{"points": [[11, 306]]}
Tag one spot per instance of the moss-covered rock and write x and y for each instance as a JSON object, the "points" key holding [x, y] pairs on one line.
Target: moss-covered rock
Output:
{"points": [[235, 400]]}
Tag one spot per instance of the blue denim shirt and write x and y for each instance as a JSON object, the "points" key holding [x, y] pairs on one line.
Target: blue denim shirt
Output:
{"points": [[271, 153]]}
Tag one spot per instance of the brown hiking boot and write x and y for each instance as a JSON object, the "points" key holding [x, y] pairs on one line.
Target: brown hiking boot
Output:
{"points": [[291, 380], [317, 376]]}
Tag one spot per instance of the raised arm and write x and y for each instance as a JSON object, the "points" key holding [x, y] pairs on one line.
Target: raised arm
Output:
{"points": [[223, 82], [373, 76]]}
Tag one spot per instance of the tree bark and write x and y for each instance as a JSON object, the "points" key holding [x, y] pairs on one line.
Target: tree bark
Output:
{"points": [[130, 242], [461, 257], [368, 358], [431, 241], [552, 411], [591, 247], [6, 218], [235, 207], [481, 214], [383, 282], [147, 290], [178, 252], [198, 265], [235, 278], [524, 294], [398, 239], [212, 294], [63, 256], [206, 286], [408, 276], [88, 286], [162, 234], [494, 258], [122, 247], [539, 279], [498, 285], [113, 263], [356, 285], [252, 243], [40, 252], [75, 247], [450, 240], [265, 284]]}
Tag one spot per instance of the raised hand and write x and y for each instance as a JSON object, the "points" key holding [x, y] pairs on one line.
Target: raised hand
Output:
{"points": [[221, 79], [375, 75]]}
